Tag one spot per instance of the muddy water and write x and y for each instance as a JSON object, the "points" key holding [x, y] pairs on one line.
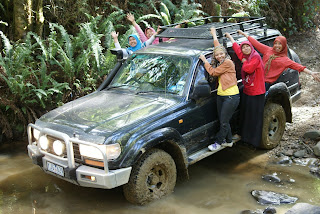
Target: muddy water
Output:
{"points": [[218, 184]]}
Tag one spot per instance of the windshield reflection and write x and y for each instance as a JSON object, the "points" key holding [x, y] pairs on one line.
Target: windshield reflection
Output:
{"points": [[153, 73]]}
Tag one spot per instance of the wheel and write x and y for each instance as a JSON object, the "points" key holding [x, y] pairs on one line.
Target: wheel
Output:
{"points": [[274, 122], [153, 177]]}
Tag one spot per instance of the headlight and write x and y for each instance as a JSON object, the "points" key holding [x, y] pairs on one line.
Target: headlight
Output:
{"points": [[44, 143], [36, 134], [112, 151], [58, 147]]}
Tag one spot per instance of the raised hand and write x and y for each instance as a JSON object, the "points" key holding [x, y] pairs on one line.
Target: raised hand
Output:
{"points": [[213, 31], [242, 33], [114, 34], [130, 17]]}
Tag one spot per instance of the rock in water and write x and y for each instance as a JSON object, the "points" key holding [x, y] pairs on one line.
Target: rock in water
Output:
{"points": [[271, 178], [304, 208], [268, 197]]}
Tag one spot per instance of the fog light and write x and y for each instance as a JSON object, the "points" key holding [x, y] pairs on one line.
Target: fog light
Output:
{"points": [[58, 147], [92, 178], [44, 143]]}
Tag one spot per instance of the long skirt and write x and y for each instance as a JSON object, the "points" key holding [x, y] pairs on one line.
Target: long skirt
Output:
{"points": [[251, 117]]}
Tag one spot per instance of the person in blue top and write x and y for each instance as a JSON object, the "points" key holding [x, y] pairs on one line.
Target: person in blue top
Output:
{"points": [[134, 41]]}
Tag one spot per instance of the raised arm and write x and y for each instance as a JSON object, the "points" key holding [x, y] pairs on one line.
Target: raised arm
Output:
{"points": [[259, 46], [236, 47], [115, 39], [141, 34], [215, 38]]}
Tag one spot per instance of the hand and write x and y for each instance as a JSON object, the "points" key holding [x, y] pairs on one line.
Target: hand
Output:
{"points": [[130, 17], [227, 35], [242, 33], [158, 30], [316, 76], [213, 31], [243, 60], [202, 57], [114, 34]]}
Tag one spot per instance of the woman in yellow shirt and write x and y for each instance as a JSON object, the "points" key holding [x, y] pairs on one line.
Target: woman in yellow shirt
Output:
{"points": [[228, 93]]}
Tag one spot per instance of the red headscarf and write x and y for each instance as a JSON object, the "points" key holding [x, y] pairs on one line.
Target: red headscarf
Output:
{"points": [[284, 51], [248, 79], [275, 54]]}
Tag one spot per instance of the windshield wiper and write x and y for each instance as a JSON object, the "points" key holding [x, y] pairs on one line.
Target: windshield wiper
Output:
{"points": [[155, 91]]}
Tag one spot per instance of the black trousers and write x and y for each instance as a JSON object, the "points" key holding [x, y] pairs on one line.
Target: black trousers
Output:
{"points": [[251, 117], [226, 105]]}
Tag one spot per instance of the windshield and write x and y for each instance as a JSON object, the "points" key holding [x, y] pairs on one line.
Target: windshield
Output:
{"points": [[153, 73]]}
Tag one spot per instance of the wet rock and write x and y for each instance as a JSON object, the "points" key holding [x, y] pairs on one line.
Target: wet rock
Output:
{"points": [[268, 197], [285, 160], [288, 152], [316, 149], [270, 210], [300, 153], [291, 180], [304, 208], [312, 134], [272, 178], [314, 170], [302, 161]]}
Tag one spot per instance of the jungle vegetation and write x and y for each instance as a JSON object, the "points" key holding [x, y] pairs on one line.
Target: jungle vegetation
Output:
{"points": [[54, 51]]}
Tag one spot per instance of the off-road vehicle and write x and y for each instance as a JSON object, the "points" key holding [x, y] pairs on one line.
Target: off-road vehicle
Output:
{"points": [[154, 115]]}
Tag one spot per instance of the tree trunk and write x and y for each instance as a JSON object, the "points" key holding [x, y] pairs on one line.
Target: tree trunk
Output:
{"points": [[39, 20], [19, 17]]}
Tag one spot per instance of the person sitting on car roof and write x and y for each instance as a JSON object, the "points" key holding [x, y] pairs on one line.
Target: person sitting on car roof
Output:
{"points": [[252, 100], [148, 32], [134, 42], [228, 92], [275, 59]]}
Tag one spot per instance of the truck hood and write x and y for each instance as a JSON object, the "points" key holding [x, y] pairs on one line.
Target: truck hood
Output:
{"points": [[104, 112]]}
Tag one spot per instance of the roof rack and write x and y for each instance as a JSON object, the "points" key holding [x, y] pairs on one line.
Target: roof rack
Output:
{"points": [[203, 31]]}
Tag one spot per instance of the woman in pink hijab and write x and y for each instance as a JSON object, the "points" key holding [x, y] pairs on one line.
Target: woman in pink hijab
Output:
{"points": [[252, 100], [148, 32]]}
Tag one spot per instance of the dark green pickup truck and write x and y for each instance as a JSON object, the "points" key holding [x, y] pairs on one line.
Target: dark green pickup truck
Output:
{"points": [[153, 116]]}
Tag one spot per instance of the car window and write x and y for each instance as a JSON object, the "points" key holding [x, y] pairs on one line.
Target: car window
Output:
{"points": [[153, 73]]}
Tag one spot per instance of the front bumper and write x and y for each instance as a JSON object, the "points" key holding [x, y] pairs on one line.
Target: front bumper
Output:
{"points": [[76, 173]]}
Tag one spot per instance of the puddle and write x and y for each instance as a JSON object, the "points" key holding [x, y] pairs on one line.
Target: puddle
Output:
{"points": [[218, 184]]}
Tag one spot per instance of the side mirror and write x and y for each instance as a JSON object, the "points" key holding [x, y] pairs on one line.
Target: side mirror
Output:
{"points": [[120, 53], [201, 89]]}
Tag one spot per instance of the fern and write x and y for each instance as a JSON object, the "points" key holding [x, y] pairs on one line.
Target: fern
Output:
{"points": [[6, 43]]}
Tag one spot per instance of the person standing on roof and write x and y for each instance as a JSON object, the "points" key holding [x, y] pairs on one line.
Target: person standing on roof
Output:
{"points": [[275, 59], [148, 32], [134, 42], [228, 93], [252, 99]]}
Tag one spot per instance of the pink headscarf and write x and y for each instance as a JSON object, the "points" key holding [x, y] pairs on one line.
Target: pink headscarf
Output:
{"points": [[249, 78], [156, 41], [151, 28]]}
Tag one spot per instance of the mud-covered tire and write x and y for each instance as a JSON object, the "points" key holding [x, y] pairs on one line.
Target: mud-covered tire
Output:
{"points": [[153, 177], [274, 122]]}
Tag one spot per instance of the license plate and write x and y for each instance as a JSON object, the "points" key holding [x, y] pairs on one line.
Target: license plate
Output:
{"points": [[55, 169]]}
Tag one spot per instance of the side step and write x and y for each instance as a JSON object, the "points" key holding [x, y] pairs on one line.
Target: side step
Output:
{"points": [[201, 154], [205, 152]]}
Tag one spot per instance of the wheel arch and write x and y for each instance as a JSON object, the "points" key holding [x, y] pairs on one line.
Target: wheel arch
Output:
{"points": [[279, 93], [169, 140]]}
